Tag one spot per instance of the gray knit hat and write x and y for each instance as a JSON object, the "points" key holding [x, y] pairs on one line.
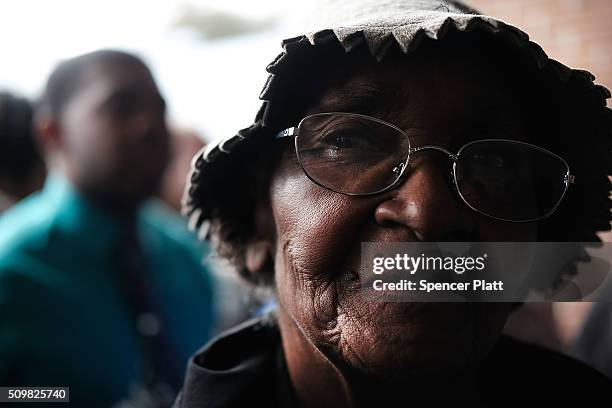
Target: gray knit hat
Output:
{"points": [[381, 25]]}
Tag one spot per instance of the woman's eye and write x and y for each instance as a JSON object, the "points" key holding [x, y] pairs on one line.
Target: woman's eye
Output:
{"points": [[491, 160], [347, 140]]}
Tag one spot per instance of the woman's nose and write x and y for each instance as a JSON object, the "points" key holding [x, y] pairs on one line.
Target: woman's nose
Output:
{"points": [[426, 203]]}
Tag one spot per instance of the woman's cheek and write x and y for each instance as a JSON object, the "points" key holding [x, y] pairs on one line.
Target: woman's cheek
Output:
{"points": [[493, 231], [315, 231], [313, 226]]}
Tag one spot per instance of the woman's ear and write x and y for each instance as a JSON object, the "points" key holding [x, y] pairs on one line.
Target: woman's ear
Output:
{"points": [[258, 256], [259, 252]]}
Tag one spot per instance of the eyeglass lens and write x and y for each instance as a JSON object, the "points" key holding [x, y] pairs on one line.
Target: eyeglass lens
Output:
{"points": [[509, 180]]}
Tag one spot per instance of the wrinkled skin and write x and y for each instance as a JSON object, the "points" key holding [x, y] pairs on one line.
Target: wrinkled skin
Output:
{"points": [[341, 349], [111, 137]]}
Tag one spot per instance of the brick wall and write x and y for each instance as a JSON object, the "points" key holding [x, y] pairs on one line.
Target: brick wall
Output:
{"points": [[577, 33]]}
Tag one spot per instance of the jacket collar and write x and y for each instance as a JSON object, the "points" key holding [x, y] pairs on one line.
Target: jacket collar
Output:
{"points": [[241, 367]]}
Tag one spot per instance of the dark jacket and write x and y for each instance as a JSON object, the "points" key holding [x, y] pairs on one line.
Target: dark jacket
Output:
{"points": [[245, 367]]}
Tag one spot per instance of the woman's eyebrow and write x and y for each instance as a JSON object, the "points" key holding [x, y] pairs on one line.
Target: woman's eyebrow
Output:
{"points": [[485, 126], [363, 98], [495, 116]]}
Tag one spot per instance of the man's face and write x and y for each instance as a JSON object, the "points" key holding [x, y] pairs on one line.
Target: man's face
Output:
{"points": [[114, 133], [318, 232]]}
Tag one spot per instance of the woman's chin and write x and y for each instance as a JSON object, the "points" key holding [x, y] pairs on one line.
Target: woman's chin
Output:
{"points": [[402, 342]]}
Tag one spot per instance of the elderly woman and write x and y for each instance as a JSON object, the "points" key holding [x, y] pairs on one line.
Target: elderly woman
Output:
{"points": [[362, 120]]}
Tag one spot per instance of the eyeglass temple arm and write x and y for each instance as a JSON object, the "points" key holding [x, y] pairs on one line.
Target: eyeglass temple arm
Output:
{"points": [[289, 132]]}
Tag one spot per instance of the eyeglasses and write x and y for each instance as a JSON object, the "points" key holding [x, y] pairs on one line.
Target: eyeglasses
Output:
{"points": [[360, 155]]}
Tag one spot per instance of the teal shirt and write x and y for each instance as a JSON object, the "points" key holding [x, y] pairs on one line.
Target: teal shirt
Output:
{"points": [[63, 320]]}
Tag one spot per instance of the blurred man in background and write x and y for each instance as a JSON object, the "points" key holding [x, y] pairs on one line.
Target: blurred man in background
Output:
{"points": [[98, 290], [22, 170]]}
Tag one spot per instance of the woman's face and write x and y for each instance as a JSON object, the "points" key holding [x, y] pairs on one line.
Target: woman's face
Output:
{"points": [[318, 232]]}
